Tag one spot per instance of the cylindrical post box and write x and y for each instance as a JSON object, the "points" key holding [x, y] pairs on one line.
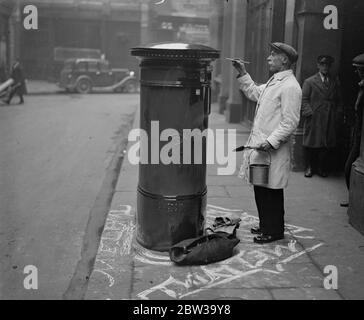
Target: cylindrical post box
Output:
{"points": [[174, 100]]}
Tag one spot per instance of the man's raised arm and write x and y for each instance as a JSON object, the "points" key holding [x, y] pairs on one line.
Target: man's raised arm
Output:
{"points": [[247, 85]]}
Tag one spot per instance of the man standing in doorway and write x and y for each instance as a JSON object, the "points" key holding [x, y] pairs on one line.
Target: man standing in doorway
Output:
{"points": [[276, 118], [322, 110]]}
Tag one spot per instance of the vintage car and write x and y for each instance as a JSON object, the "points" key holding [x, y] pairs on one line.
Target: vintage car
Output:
{"points": [[84, 75]]}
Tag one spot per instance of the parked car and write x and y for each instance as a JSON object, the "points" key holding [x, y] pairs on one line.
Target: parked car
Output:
{"points": [[83, 75]]}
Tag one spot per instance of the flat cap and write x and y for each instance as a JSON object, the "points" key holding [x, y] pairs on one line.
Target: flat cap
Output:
{"points": [[286, 49], [358, 61], [325, 59]]}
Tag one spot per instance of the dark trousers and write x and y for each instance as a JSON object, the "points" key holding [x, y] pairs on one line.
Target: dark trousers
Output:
{"points": [[270, 205], [16, 91], [316, 158]]}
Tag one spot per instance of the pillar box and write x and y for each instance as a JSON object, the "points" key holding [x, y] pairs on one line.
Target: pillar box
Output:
{"points": [[175, 96]]}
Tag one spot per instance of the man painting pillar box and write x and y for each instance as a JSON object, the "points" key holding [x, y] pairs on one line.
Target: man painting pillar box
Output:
{"points": [[276, 118]]}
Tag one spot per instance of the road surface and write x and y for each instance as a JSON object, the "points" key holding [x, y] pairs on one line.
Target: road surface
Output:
{"points": [[56, 152]]}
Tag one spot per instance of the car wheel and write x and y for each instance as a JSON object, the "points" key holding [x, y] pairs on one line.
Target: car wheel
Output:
{"points": [[131, 87], [84, 86]]}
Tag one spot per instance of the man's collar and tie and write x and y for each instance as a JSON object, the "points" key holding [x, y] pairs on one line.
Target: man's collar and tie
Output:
{"points": [[325, 60], [324, 77]]}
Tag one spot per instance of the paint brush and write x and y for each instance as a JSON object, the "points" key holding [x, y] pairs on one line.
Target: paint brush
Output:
{"points": [[242, 148], [238, 59]]}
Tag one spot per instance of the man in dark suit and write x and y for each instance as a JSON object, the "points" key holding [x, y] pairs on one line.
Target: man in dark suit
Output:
{"points": [[322, 110], [19, 86]]}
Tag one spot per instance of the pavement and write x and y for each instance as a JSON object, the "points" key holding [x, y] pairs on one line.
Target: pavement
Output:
{"points": [[321, 257]]}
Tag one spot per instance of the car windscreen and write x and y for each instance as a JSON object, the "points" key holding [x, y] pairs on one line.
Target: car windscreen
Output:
{"points": [[82, 66], [103, 66]]}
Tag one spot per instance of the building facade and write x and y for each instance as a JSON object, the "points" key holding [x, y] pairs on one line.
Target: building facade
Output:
{"points": [[5, 43], [181, 21], [110, 26]]}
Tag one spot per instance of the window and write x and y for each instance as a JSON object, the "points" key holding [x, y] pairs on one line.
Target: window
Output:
{"points": [[82, 66], [92, 66], [104, 66]]}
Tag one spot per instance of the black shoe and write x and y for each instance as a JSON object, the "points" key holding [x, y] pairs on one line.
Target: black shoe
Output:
{"points": [[267, 238], [308, 173], [322, 173], [255, 230]]}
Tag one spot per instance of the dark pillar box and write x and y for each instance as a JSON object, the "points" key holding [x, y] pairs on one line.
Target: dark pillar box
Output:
{"points": [[176, 92]]}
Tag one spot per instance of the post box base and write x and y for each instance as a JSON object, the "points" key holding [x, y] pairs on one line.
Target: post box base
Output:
{"points": [[163, 221]]}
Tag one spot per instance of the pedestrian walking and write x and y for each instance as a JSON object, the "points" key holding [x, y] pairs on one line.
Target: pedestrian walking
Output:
{"points": [[322, 111], [276, 118], [19, 87], [358, 63]]}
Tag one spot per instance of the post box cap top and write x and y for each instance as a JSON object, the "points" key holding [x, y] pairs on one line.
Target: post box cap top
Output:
{"points": [[175, 50]]}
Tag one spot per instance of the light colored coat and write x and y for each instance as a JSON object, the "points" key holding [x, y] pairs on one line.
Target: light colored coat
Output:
{"points": [[276, 118]]}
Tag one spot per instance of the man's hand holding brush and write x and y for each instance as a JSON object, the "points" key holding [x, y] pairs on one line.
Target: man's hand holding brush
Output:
{"points": [[239, 65]]}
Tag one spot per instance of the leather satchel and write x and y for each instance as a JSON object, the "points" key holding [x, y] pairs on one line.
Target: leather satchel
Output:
{"points": [[204, 250]]}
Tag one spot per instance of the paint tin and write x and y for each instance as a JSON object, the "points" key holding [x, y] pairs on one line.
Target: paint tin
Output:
{"points": [[259, 172]]}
